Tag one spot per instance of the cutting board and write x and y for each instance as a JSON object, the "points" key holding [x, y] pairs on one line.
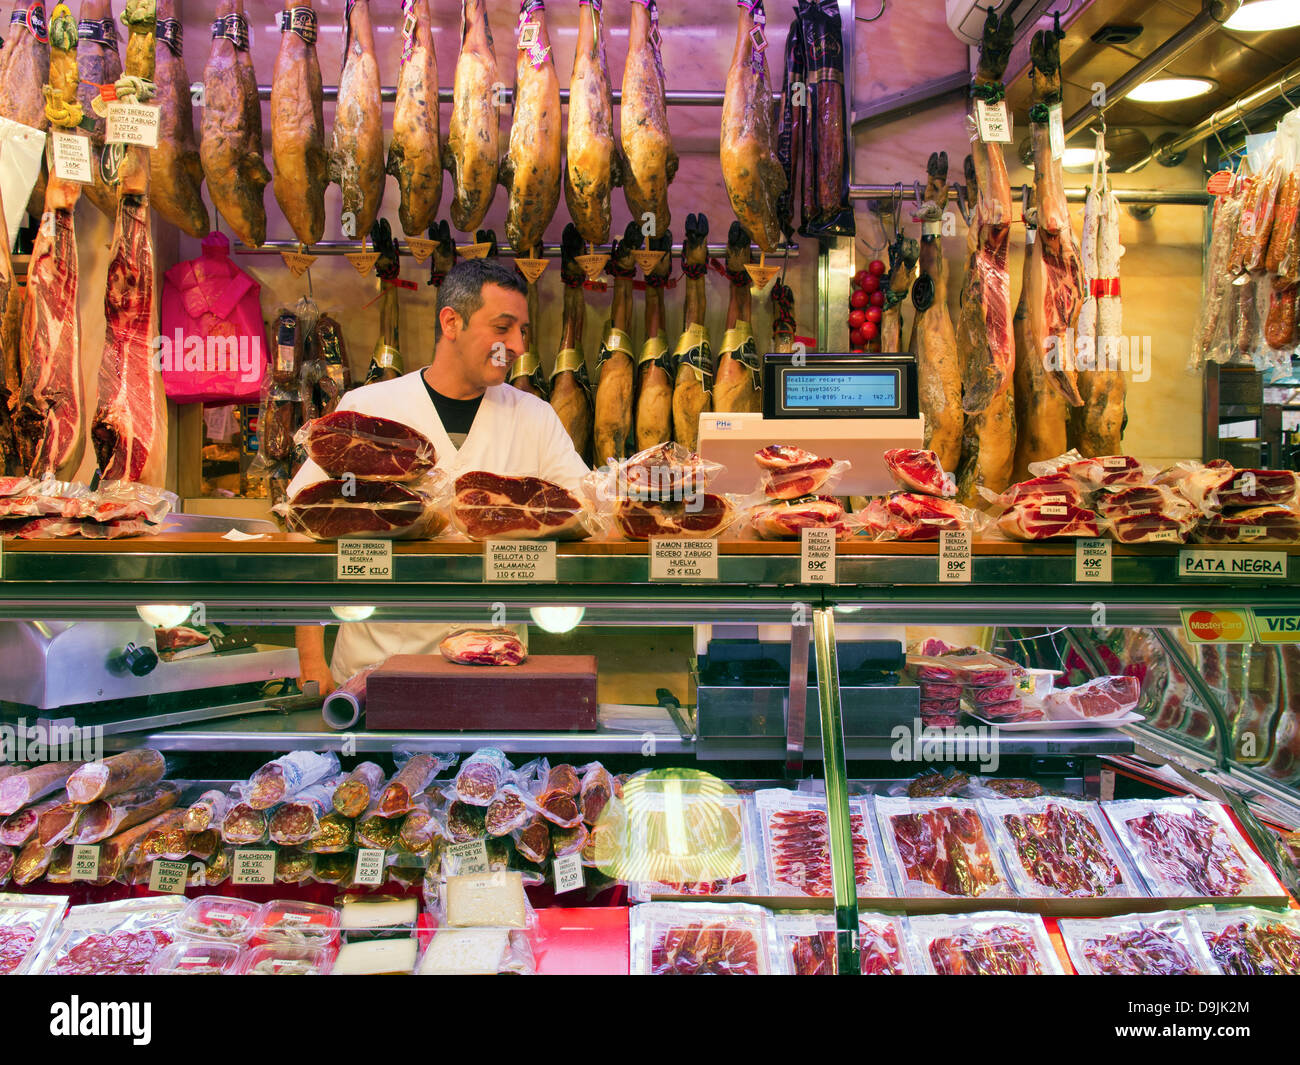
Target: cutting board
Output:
{"points": [[426, 693]]}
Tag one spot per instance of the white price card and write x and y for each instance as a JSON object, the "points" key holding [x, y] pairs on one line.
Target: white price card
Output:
{"points": [[1056, 131], [169, 877], [683, 560], [132, 124], [254, 867], [994, 125], [370, 867], [365, 560], [518, 561], [817, 556], [1241, 565], [85, 862], [72, 161], [568, 873], [1092, 561], [954, 556], [466, 858]]}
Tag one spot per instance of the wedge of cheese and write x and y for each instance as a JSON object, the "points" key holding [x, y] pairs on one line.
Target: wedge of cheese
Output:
{"points": [[377, 957]]}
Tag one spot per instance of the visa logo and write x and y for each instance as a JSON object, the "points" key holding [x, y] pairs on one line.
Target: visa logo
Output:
{"points": [[1280, 622]]}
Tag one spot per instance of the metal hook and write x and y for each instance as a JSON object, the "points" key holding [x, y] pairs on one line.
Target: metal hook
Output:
{"points": [[896, 208], [873, 18], [1223, 148], [1242, 120]]}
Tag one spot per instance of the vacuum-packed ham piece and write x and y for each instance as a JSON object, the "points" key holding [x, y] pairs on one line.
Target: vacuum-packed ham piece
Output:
{"points": [[1006, 945], [909, 516], [22, 788], [882, 947], [1044, 521], [365, 445], [596, 789], [338, 509], [510, 809], [704, 517], [492, 506], [1266, 524], [207, 810], [661, 473], [18, 829], [297, 820], [563, 778], [1059, 850], [1102, 697], [919, 471], [791, 472], [1141, 499], [1150, 528], [533, 840], [783, 521], [1156, 944], [483, 647], [1054, 488], [941, 848], [122, 772], [797, 839]]}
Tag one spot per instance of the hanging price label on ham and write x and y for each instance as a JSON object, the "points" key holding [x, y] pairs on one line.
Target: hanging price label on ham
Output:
{"points": [[421, 248], [133, 124], [473, 251], [72, 161], [297, 262], [592, 265], [647, 260], [993, 123], [1056, 131], [532, 269], [362, 261]]}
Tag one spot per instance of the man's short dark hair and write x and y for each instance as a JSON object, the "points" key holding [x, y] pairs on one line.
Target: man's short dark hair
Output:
{"points": [[462, 288]]}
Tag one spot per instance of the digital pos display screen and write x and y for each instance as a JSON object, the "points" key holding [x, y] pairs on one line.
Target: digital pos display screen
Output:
{"points": [[819, 390]]}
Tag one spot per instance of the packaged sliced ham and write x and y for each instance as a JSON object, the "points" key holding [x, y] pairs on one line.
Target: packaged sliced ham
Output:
{"points": [[789, 472], [1105, 471], [122, 772], [1183, 847], [364, 445], [796, 845], [1141, 944], [1251, 942], [985, 944], [378, 510], [910, 516], [808, 940], [287, 775], [940, 848], [659, 474], [1151, 528], [113, 938], [1157, 499], [703, 939], [1053, 489], [785, 520], [1060, 848], [1270, 524], [1101, 697], [27, 924], [1031, 521], [920, 471]]}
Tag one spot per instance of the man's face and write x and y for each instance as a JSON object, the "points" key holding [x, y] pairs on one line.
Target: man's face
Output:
{"points": [[492, 339]]}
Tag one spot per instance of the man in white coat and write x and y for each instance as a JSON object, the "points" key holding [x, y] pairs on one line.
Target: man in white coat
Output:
{"points": [[476, 421]]}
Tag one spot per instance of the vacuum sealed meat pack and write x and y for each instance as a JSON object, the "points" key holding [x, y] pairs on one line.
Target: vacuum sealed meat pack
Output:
{"points": [[113, 938], [985, 944], [940, 848], [27, 923], [1141, 944], [808, 943], [1251, 942], [703, 939], [796, 845]]}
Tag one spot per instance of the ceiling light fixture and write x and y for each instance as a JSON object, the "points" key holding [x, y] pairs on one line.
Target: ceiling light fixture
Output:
{"points": [[164, 615], [1166, 90], [557, 619], [352, 613], [1259, 16]]}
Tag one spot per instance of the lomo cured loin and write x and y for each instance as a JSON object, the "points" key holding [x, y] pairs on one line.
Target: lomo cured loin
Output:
{"points": [[650, 162], [592, 164], [298, 125], [693, 385], [533, 165], [231, 141], [488, 506], [616, 372], [483, 647], [98, 63], [129, 430], [415, 154], [128, 771], [473, 142], [357, 149], [176, 170], [366, 445], [570, 387], [24, 70], [23, 788]]}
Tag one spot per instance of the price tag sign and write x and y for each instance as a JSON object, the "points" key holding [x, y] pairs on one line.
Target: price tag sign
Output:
{"points": [[1056, 131], [568, 873], [465, 858], [994, 125], [592, 265], [85, 862], [761, 276], [647, 259], [474, 251], [817, 556], [421, 247], [253, 867], [133, 124], [1243, 565], [954, 556], [169, 877], [297, 262], [683, 560], [532, 269], [362, 261], [365, 560], [1092, 561], [518, 561], [370, 867], [72, 157]]}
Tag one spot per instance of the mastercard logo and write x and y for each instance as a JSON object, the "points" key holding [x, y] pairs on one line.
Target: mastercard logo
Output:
{"points": [[1225, 625]]}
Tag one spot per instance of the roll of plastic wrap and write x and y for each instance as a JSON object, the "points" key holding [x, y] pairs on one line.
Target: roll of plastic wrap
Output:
{"points": [[344, 706]]}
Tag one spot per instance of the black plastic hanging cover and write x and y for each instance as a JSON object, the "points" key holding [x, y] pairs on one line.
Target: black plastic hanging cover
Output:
{"points": [[793, 127], [827, 211]]}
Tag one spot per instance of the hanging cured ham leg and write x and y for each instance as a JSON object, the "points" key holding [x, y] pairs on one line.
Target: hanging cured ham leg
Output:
{"points": [[736, 386], [357, 149], [98, 63], [650, 162], [298, 125], [24, 70], [903, 253], [472, 154], [591, 168], [693, 386], [570, 388], [177, 172], [533, 164], [654, 370], [933, 341], [415, 155], [526, 373], [231, 142], [616, 373], [753, 176]]}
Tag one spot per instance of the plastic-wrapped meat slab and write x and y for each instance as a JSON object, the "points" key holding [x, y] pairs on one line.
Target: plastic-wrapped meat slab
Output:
{"points": [[113, 938], [1250, 942], [796, 845], [703, 939], [720, 838], [939, 848], [919, 471], [985, 944], [482, 773], [1184, 847], [1141, 944], [809, 943], [26, 925], [1058, 848]]}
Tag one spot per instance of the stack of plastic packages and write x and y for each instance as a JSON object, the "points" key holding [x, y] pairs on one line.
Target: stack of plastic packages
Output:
{"points": [[1237, 506], [988, 684], [924, 508]]}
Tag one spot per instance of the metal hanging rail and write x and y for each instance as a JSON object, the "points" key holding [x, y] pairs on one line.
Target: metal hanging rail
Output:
{"points": [[1187, 197], [345, 247], [676, 97]]}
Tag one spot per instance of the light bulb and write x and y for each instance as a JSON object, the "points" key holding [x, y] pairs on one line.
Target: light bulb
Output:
{"points": [[352, 613], [557, 619], [165, 615]]}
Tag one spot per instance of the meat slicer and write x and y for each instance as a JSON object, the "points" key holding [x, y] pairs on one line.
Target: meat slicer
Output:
{"points": [[852, 407], [110, 673]]}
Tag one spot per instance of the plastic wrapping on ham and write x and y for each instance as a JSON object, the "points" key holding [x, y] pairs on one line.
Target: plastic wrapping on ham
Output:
{"points": [[702, 939], [354, 792], [791, 473], [809, 942], [1146, 944], [297, 820], [1150, 528], [1104, 471], [1059, 848], [284, 777], [509, 810], [483, 647], [1058, 489], [703, 517], [796, 845], [1250, 942], [1218, 484], [414, 775], [595, 791], [113, 938], [1271, 524], [909, 516], [940, 848], [364, 445], [106, 817], [122, 772], [21, 789], [783, 521], [339, 509], [27, 924], [985, 944], [1045, 521], [489, 506], [920, 471], [1101, 697], [662, 473]]}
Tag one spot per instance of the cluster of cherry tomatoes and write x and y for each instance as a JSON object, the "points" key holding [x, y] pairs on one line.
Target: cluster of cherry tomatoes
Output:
{"points": [[866, 306]]}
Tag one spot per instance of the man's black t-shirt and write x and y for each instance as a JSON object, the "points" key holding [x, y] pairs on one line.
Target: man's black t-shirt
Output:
{"points": [[456, 415]]}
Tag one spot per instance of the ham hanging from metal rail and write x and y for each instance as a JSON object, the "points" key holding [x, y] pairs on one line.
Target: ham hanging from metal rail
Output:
{"points": [[654, 380], [693, 381], [415, 154], [130, 427], [298, 125], [534, 163], [650, 162], [753, 176], [570, 388], [736, 382], [177, 171], [357, 149], [98, 63], [473, 141], [592, 166], [24, 70], [231, 142], [616, 373]]}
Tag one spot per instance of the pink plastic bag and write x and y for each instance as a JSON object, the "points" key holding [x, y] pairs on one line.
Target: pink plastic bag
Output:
{"points": [[210, 347]]}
